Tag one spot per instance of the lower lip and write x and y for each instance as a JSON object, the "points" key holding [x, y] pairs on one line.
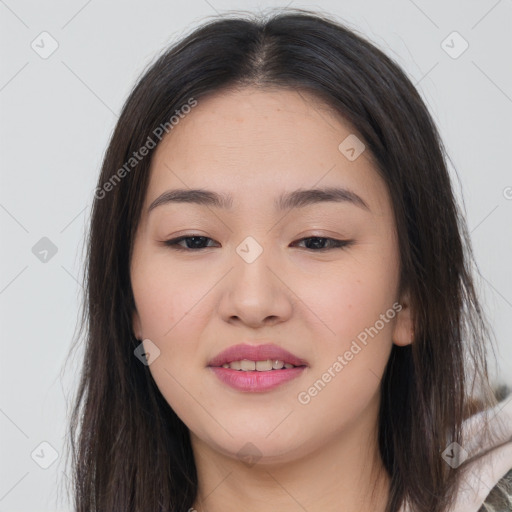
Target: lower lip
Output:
{"points": [[254, 380]]}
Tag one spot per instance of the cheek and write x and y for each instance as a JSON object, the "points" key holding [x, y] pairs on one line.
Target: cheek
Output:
{"points": [[348, 298], [168, 307], [164, 297], [350, 356], [354, 340]]}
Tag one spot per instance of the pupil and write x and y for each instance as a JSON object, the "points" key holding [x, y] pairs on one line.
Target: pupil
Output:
{"points": [[196, 240], [316, 242]]}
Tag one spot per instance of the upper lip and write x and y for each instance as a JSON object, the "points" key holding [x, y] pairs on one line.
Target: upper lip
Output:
{"points": [[256, 353]]}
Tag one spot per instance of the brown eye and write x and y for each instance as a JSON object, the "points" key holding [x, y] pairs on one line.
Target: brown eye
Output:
{"points": [[318, 243], [196, 243]]}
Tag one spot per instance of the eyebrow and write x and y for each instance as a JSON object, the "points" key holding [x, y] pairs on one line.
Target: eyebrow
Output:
{"points": [[288, 200]]}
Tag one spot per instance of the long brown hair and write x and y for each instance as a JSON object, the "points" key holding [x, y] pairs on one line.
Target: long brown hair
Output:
{"points": [[130, 451]]}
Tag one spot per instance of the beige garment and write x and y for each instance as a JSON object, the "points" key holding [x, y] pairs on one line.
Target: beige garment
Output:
{"points": [[500, 497], [486, 480], [486, 484]]}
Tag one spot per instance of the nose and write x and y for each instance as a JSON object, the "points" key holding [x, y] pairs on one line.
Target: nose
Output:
{"points": [[255, 293]]}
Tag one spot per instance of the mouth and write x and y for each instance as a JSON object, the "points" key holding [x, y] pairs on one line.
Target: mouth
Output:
{"points": [[246, 365], [256, 368], [259, 358]]}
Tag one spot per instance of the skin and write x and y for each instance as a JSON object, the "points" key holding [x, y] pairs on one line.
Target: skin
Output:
{"points": [[255, 144]]}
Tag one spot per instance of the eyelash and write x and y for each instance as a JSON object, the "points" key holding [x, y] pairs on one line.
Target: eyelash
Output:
{"points": [[338, 244]]}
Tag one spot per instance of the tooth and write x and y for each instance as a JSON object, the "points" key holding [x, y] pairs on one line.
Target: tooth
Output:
{"points": [[263, 366], [247, 365]]}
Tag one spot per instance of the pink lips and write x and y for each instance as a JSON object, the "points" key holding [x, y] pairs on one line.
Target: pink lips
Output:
{"points": [[256, 381]]}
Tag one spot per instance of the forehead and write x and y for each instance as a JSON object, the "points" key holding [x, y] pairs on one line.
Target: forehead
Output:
{"points": [[255, 143]]}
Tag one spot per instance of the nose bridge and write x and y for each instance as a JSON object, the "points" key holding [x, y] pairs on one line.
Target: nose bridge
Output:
{"points": [[253, 292], [252, 264], [250, 250]]}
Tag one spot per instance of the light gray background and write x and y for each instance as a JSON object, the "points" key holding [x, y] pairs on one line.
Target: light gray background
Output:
{"points": [[56, 118]]}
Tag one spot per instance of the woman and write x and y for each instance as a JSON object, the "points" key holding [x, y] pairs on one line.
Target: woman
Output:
{"points": [[280, 311]]}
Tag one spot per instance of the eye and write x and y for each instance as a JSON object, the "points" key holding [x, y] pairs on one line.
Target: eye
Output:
{"points": [[317, 240], [197, 242]]}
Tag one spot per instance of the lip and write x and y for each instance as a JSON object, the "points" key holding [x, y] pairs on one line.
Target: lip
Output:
{"points": [[256, 353], [256, 381]]}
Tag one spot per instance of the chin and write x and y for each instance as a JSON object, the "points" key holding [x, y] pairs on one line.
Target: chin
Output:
{"points": [[259, 447]]}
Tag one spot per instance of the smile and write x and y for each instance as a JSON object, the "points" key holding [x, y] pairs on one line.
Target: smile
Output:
{"points": [[256, 380], [259, 366]]}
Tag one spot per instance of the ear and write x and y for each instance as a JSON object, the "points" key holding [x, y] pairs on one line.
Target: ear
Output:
{"points": [[403, 332], [136, 325]]}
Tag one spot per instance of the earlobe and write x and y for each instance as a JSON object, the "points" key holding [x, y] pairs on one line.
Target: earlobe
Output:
{"points": [[136, 326], [403, 332]]}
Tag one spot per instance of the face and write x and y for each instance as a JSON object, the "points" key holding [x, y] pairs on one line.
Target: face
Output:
{"points": [[253, 273]]}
